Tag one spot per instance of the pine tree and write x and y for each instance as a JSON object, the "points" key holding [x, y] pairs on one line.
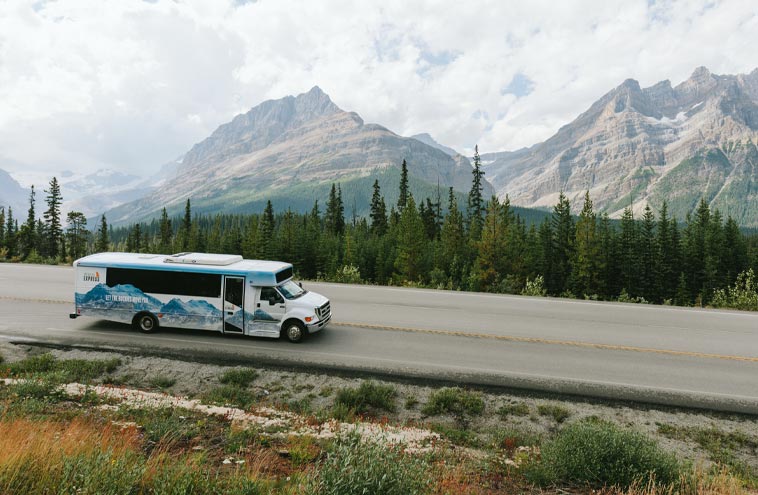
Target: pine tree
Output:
{"points": [[28, 233], [648, 249], [53, 227], [166, 234], [628, 253], [11, 236], [185, 232], [378, 212], [266, 233], [607, 278], [429, 219], [668, 256], [77, 234], [103, 242], [489, 248], [586, 257], [475, 200], [411, 243], [402, 200], [2, 228], [736, 253], [563, 245], [453, 241], [335, 212]]}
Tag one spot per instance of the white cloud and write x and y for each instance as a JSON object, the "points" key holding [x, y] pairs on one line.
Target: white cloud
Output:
{"points": [[87, 84]]}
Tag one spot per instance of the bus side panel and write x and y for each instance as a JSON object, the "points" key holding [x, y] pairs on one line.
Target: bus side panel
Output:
{"points": [[123, 301]]}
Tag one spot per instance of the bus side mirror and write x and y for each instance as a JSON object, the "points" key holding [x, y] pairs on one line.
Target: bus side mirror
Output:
{"points": [[300, 284], [271, 301]]}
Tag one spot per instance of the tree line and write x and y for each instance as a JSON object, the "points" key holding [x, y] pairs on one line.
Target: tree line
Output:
{"points": [[480, 246]]}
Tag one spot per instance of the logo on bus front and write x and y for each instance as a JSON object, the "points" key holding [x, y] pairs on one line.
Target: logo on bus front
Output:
{"points": [[91, 277]]}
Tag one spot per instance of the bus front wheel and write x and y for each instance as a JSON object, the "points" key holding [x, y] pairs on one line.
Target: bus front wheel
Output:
{"points": [[146, 323], [294, 331]]}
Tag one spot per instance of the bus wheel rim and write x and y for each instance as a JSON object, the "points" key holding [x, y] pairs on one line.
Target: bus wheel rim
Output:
{"points": [[294, 332]]}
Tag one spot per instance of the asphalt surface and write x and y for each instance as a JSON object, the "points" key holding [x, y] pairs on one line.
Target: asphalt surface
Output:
{"points": [[661, 355]]}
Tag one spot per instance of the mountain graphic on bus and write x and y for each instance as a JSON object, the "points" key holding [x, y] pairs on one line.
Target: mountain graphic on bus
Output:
{"points": [[120, 296], [193, 307]]}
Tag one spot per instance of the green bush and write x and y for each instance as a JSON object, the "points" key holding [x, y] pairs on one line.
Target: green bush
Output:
{"points": [[230, 395], [517, 409], [742, 295], [162, 381], [602, 454], [242, 377], [67, 370], [348, 274], [370, 395], [353, 467], [558, 413], [535, 287], [460, 403]]}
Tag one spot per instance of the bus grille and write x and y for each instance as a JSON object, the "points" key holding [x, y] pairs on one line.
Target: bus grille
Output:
{"points": [[324, 311]]}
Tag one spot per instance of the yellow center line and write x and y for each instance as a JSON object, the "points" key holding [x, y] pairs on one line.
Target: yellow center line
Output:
{"points": [[537, 340]]}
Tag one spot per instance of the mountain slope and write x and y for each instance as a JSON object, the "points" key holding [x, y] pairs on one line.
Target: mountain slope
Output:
{"points": [[283, 148], [13, 194], [643, 145]]}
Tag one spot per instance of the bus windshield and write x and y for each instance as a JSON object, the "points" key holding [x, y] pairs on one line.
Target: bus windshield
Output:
{"points": [[290, 290]]}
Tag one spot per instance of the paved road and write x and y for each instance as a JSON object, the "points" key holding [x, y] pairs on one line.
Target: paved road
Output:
{"points": [[676, 356]]}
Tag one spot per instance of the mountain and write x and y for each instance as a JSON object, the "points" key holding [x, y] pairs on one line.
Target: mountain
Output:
{"points": [[13, 194], [428, 139], [295, 148], [643, 145]]}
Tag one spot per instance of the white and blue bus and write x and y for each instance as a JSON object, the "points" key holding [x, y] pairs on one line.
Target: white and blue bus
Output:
{"points": [[217, 292]]}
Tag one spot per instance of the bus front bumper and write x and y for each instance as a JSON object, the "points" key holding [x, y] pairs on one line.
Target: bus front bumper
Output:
{"points": [[316, 327]]}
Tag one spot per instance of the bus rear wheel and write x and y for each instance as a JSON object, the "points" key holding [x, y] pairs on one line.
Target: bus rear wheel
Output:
{"points": [[294, 331], [146, 323]]}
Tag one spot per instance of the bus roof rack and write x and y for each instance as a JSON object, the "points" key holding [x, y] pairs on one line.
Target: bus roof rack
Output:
{"points": [[203, 259]]}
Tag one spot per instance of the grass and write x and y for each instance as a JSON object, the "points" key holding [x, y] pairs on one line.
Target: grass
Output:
{"points": [[68, 370], [229, 395], [352, 467], [455, 401], [241, 377], [720, 445], [457, 436], [368, 397], [516, 409], [83, 456], [599, 453], [162, 382], [558, 413]]}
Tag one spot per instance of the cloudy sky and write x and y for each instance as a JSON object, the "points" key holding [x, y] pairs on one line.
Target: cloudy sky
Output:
{"points": [[131, 84]]}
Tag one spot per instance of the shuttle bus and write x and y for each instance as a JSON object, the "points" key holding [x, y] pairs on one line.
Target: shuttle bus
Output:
{"points": [[216, 292]]}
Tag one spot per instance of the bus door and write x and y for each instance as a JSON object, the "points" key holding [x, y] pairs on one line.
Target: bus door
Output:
{"points": [[234, 312]]}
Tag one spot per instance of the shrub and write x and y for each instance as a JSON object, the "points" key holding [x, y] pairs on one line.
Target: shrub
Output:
{"points": [[558, 413], [600, 453], [369, 395], [348, 274], [460, 403], [162, 381], [742, 295], [517, 409], [242, 377], [535, 287], [352, 466], [229, 395], [77, 370]]}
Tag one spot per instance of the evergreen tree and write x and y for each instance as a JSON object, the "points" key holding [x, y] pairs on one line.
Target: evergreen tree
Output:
{"points": [[628, 254], [166, 234], [585, 272], [378, 212], [607, 277], [411, 243], [103, 242], [77, 234], [648, 249], [266, 233], [490, 248], [185, 232], [475, 200], [736, 254], [335, 212], [28, 233], [2, 228], [402, 200], [53, 227], [563, 245], [11, 236], [453, 241], [429, 219], [667, 262]]}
